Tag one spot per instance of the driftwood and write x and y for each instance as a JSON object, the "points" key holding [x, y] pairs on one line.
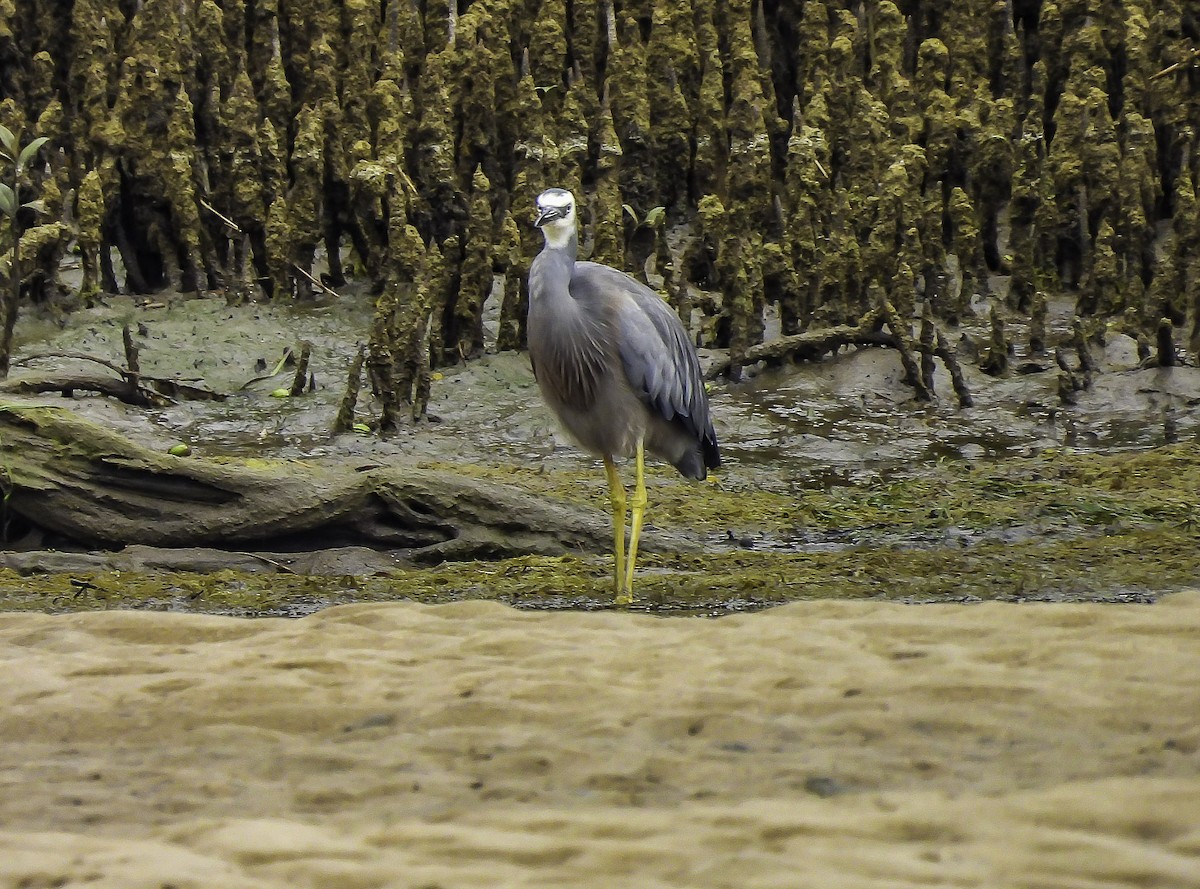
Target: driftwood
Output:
{"points": [[67, 384], [87, 486]]}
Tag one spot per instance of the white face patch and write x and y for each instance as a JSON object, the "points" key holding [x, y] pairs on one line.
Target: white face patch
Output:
{"points": [[558, 226], [556, 198]]}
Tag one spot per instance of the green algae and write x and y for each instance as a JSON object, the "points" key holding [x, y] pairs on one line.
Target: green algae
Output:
{"points": [[1057, 526], [1055, 489], [1127, 566]]}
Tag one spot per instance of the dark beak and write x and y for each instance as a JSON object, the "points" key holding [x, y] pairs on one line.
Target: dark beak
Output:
{"points": [[545, 214]]}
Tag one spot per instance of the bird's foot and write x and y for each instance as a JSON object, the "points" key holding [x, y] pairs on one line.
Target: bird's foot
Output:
{"points": [[623, 598]]}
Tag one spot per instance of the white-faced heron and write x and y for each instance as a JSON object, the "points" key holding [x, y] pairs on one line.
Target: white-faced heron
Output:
{"points": [[614, 363]]}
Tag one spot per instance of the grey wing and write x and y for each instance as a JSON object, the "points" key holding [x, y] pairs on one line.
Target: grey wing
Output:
{"points": [[658, 358]]}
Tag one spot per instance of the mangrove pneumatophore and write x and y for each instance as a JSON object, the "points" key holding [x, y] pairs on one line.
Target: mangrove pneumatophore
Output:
{"points": [[856, 149]]}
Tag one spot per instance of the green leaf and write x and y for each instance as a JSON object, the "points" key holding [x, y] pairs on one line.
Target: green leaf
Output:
{"points": [[632, 215], [8, 142], [287, 353], [8, 203], [28, 152], [653, 216], [38, 206]]}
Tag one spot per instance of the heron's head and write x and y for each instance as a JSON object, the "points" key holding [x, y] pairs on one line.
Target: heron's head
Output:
{"points": [[556, 216]]}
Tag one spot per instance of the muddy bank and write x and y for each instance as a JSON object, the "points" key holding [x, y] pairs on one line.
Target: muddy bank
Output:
{"points": [[794, 424]]}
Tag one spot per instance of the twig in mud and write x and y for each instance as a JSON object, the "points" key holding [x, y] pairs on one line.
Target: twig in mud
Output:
{"points": [[317, 283], [1193, 54], [221, 216], [282, 567], [287, 353], [71, 356], [141, 389]]}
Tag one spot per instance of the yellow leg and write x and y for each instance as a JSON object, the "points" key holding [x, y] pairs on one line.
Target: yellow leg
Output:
{"points": [[637, 511], [616, 496]]}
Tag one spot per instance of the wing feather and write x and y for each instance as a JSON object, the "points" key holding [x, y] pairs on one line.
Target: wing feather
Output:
{"points": [[659, 360]]}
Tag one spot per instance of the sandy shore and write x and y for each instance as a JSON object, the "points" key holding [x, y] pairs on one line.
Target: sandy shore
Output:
{"points": [[823, 744]]}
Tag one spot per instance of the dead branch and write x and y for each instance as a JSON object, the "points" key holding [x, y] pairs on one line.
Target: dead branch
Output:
{"points": [[233, 226], [134, 387], [811, 345], [71, 356], [320, 285], [1193, 55], [814, 345], [68, 384]]}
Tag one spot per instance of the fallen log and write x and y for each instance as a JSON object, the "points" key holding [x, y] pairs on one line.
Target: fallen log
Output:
{"points": [[86, 486]]}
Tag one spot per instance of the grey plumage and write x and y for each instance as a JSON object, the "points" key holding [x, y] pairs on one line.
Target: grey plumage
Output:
{"points": [[596, 337], [614, 363]]}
